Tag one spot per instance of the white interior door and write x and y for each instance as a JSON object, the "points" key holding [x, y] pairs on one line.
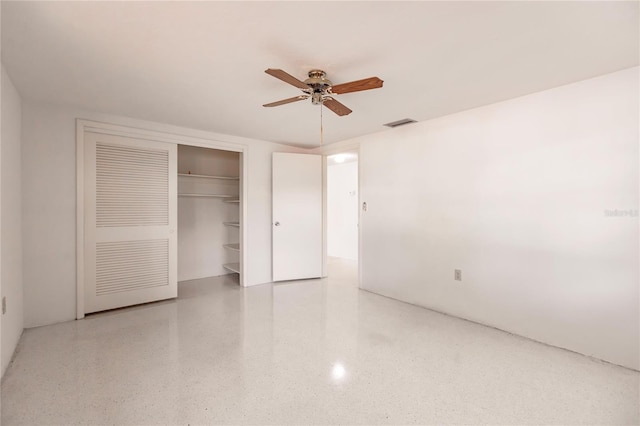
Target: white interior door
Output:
{"points": [[130, 204], [297, 216]]}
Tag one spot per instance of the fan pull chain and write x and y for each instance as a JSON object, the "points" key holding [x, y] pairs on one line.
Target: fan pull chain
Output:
{"points": [[321, 130]]}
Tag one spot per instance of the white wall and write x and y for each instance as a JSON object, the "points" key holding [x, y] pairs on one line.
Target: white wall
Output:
{"points": [[49, 205], [11, 219], [342, 210], [515, 194]]}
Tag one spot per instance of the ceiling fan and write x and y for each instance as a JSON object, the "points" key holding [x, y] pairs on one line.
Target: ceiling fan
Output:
{"points": [[321, 90]]}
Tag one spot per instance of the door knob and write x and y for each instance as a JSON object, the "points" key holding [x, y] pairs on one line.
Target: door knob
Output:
{"points": [[277, 224]]}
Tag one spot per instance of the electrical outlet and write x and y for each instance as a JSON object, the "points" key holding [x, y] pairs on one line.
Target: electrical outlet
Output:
{"points": [[457, 274], [4, 305]]}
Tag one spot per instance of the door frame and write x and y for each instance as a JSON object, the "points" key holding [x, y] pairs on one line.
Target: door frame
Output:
{"points": [[325, 213], [84, 125]]}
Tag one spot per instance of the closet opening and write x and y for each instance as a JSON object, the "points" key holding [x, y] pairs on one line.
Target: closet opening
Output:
{"points": [[209, 219], [342, 216]]}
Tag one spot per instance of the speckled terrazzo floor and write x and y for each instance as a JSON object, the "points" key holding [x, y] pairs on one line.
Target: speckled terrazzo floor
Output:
{"points": [[310, 352]]}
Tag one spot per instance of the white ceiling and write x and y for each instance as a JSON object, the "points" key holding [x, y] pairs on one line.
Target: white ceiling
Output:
{"points": [[201, 64]]}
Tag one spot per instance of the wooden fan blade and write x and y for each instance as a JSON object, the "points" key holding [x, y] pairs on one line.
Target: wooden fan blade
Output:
{"points": [[287, 78], [286, 101], [336, 107], [356, 86]]}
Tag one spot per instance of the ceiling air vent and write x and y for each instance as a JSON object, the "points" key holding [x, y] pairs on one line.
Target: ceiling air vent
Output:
{"points": [[400, 122]]}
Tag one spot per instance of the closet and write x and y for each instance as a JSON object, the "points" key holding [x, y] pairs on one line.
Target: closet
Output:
{"points": [[153, 211], [208, 213]]}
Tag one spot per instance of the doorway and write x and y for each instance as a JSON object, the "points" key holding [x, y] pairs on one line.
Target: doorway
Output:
{"points": [[209, 223], [342, 216]]}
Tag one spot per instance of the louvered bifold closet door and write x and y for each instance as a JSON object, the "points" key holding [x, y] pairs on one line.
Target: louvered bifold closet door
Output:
{"points": [[130, 221]]}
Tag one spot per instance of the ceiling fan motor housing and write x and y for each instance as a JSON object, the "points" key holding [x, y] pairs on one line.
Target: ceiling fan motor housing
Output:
{"points": [[319, 84]]}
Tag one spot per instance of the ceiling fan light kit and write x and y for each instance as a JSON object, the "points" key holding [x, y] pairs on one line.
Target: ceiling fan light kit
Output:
{"points": [[318, 85], [320, 89]]}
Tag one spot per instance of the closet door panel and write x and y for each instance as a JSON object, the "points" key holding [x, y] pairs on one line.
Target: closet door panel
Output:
{"points": [[130, 221]]}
